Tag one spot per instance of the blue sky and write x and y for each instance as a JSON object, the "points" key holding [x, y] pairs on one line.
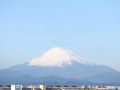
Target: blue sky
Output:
{"points": [[90, 28]]}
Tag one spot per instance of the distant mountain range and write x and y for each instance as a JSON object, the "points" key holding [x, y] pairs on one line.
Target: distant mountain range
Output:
{"points": [[60, 66]]}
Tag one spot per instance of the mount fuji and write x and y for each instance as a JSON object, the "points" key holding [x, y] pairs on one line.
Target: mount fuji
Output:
{"points": [[58, 65], [58, 57]]}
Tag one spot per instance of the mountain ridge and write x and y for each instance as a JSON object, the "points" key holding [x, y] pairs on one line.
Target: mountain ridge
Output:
{"points": [[73, 69]]}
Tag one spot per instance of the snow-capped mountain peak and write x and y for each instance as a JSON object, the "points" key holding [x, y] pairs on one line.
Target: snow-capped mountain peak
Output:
{"points": [[58, 62], [57, 56]]}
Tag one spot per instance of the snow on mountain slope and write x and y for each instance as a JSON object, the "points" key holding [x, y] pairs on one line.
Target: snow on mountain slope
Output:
{"points": [[57, 56], [58, 62]]}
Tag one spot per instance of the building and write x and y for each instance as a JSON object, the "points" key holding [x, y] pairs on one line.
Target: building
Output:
{"points": [[44, 87]]}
